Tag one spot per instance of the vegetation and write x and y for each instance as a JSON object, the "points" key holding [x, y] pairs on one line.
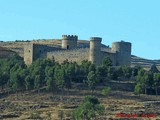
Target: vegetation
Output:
{"points": [[88, 109], [51, 76], [106, 91], [16, 76], [147, 82]]}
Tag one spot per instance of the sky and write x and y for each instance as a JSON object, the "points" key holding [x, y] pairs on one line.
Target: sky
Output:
{"points": [[135, 21]]}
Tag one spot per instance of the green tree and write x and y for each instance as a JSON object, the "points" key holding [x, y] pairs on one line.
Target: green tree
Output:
{"points": [[101, 73], [50, 83], [15, 82], [156, 84], [106, 62], [89, 109], [106, 91], [91, 80], [119, 72], [127, 72], [85, 64], [92, 67], [59, 75], [37, 83], [145, 79], [4, 77], [50, 80], [138, 89], [29, 82]]}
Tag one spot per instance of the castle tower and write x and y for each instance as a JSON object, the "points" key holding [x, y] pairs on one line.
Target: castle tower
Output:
{"points": [[69, 41], [123, 51], [28, 53], [95, 50], [34, 51]]}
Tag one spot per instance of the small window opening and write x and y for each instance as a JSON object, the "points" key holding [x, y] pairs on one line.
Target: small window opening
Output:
{"points": [[67, 46]]}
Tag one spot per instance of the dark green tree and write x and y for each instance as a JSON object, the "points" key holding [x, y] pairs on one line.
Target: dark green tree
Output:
{"points": [[59, 76], [127, 71], [107, 62], [50, 80], [138, 89], [156, 84], [29, 82], [50, 83], [101, 73], [89, 109], [91, 80], [4, 77], [37, 83]]}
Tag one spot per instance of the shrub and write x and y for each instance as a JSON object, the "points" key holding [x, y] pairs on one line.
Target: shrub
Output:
{"points": [[35, 115], [89, 109], [106, 91]]}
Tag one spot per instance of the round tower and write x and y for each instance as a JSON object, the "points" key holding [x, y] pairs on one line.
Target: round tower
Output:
{"points": [[95, 50], [69, 41], [123, 52]]}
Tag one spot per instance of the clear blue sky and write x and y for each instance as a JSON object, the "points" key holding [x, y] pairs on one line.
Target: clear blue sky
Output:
{"points": [[136, 21]]}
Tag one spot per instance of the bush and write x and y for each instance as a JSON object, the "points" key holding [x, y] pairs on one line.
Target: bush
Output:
{"points": [[35, 115], [138, 89], [89, 109], [106, 91]]}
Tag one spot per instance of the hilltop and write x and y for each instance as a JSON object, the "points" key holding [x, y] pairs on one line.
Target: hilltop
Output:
{"points": [[18, 45], [51, 91]]}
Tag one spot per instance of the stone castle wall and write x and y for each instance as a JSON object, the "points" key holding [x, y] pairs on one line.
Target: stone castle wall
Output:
{"points": [[76, 55], [35, 51], [123, 50], [119, 53], [112, 56]]}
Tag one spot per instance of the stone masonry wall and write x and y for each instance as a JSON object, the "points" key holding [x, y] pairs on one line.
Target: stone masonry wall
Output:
{"points": [[76, 55], [112, 56]]}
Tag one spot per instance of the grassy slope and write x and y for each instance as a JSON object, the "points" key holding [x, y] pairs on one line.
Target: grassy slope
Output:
{"points": [[51, 104]]}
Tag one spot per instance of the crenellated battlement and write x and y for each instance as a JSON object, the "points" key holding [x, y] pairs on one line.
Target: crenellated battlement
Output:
{"points": [[96, 39], [69, 37]]}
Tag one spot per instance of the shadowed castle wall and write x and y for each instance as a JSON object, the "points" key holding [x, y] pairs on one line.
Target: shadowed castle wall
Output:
{"points": [[123, 52], [35, 51], [112, 56], [76, 55], [6, 53]]}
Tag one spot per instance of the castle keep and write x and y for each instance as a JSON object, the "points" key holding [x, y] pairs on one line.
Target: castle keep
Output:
{"points": [[119, 53]]}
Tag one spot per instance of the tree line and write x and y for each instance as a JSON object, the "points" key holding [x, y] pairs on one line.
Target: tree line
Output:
{"points": [[16, 76]]}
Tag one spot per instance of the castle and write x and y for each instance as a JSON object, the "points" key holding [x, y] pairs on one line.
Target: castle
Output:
{"points": [[119, 53]]}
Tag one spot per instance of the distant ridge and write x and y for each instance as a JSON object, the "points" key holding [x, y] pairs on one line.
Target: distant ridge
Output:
{"points": [[5, 52], [146, 63]]}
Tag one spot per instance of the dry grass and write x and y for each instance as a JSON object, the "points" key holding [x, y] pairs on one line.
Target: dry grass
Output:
{"points": [[49, 106]]}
